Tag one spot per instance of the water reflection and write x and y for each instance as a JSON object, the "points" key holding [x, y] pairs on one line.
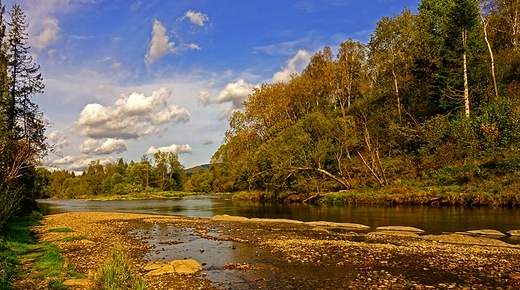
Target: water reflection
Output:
{"points": [[432, 219]]}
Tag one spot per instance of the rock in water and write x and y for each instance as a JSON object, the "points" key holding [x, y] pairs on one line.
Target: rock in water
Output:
{"points": [[187, 267], [400, 229]]}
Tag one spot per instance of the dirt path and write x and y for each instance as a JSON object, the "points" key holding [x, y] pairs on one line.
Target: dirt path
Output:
{"points": [[300, 256]]}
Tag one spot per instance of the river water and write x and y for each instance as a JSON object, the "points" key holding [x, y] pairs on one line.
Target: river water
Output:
{"points": [[432, 219]]}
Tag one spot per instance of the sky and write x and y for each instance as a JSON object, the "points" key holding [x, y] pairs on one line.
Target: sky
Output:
{"points": [[125, 78]]}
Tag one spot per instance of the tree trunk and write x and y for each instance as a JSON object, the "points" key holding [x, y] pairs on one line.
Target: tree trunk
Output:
{"points": [[491, 56], [466, 85], [342, 181]]}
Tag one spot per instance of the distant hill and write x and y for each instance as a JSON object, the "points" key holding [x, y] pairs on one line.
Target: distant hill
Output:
{"points": [[190, 171]]}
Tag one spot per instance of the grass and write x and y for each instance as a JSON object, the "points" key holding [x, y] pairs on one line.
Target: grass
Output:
{"points": [[116, 274], [73, 238], [18, 244], [61, 230]]}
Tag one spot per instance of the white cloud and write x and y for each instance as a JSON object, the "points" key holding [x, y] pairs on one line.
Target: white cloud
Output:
{"points": [[131, 116], [294, 65], [177, 149], [160, 43], [111, 146], [235, 93], [59, 139], [48, 33], [196, 18], [89, 146], [81, 162]]}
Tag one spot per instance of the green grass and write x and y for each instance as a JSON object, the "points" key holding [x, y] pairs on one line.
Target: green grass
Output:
{"points": [[116, 274], [73, 238], [18, 244], [61, 230]]}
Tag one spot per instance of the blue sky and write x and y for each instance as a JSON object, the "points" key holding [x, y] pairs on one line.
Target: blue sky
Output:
{"points": [[126, 78]]}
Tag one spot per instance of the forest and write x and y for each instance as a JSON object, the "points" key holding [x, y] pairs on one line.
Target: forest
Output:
{"points": [[427, 111]]}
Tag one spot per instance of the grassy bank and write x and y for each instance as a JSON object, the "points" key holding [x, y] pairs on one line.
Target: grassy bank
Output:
{"points": [[398, 195], [20, 253]]}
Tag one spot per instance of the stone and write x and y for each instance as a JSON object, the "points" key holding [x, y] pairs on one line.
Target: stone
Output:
{"points": [[154, 265], [187, 267], [466, 240], [394, 233], [266, 220], [400, 229], [325, 224], [514, 233], [77, 282], [486, 232], [226, 217]]}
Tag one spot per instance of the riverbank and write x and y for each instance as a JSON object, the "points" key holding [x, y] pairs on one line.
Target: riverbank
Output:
{"points": [[294, 255]]}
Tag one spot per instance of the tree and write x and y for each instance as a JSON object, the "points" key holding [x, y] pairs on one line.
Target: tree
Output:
{"points": [[465, 16]]}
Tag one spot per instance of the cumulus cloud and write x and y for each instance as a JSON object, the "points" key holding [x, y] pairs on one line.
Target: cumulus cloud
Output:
{"points": [[160, 43], [49, 28], [196, 18], [131, 116], [59, 139], [111, 146], [207, 142], [174, 148], [235, 93], [293, 66], [81, 162], [89, 146]]}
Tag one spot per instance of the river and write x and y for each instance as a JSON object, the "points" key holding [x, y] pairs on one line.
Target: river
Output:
{"points": [[432, 219]]}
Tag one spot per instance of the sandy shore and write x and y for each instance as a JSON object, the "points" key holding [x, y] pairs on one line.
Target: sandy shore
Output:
{"points": [[300, 256]]}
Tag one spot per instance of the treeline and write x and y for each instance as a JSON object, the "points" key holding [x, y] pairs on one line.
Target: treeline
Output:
{"points": [[22, 126], [432, 100], [162, 173]]}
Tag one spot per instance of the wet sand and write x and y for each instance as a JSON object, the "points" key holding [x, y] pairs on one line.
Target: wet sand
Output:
{"points": [[280, 254]]}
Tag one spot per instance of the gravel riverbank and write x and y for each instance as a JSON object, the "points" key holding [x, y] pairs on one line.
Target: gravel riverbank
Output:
{"points": [[289, 255]]}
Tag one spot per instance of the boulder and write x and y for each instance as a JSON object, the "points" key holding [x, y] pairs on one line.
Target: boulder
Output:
{"points": [[349, 226], [400, 229], [514, 233], [267, 220], [467, 240], [394, 233], [187, 267], [486, 232]]}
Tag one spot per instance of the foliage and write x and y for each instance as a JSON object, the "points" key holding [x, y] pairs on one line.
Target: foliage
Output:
{"points": [[393, 114], [116, 274], [162, 176], [22, 125]]}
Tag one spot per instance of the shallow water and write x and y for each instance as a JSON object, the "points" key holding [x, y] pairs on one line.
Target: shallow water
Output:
{"points": [[433, 220]]}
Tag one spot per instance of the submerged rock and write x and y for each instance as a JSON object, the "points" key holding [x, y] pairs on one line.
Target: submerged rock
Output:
{"points": [[325, 224], [267, 220], [394, 233], [187, 267], [467, 240], [400, 229], [486, 232], [514, 233]]}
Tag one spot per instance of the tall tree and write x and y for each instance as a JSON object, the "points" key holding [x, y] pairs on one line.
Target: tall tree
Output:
{"points": [[25, 119], [465, 16]]}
